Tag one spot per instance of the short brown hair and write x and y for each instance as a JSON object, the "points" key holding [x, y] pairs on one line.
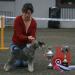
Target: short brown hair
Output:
{"points": [[26, 7]]}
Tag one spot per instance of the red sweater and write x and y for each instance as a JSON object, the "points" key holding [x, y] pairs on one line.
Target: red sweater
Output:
{"points": [[20, 36]]}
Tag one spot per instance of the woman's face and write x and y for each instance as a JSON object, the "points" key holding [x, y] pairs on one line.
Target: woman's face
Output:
{"points": [[27, 15]]}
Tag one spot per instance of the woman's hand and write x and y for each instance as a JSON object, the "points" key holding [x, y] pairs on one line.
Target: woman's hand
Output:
{"points": [[31, 38]]}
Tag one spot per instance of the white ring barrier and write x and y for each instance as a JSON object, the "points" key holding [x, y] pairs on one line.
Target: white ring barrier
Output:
{"points": [[46, 19]]}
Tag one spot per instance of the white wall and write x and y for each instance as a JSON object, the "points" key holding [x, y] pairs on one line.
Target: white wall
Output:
{"points": [[67, 24], [7, 6], [70, 14], [41, 9]]}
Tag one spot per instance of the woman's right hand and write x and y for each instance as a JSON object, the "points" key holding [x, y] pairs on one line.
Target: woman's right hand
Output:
{"points": [[31, 38]]}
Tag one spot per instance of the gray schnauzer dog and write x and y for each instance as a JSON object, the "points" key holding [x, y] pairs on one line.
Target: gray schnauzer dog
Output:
{"points": [[26, 54]]}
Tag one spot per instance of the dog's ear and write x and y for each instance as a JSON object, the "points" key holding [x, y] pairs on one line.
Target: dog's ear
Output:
{"points": [[38, 44], [41, 43]]}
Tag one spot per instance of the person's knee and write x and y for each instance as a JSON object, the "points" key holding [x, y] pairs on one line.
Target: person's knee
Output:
{"points": [[13, 47]]}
